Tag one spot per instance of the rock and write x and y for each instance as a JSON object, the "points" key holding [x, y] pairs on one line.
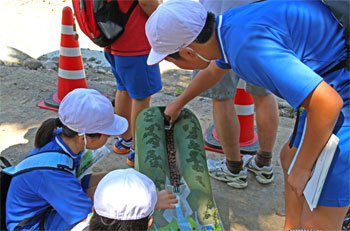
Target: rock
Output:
{"points": [[286, 112], [11, 56], [283, 104], [55, 59], [32, 64], [91, 59], [101, 70], [49, 65]]}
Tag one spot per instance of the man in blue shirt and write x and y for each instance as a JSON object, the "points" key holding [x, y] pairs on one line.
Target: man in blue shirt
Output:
{"points": [[295, 49]]}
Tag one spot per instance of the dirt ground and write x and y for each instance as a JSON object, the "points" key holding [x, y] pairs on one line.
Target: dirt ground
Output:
{"points": [[31, 28]]}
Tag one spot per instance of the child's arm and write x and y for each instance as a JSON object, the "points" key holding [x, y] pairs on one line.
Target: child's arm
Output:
{"points": [[323, 105], [148, 6], [204, 80], [166, 200]]}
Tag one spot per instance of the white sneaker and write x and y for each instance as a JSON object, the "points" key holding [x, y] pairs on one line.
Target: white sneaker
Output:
{"points": [[263, 175], [218, 170]]}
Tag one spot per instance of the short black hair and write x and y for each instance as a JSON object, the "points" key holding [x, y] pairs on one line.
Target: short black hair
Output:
{"points": [[204, 35], [207, 30], [100, 223]]}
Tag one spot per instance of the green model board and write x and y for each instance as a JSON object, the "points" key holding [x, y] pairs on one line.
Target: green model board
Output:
{"points": [[196, 209]]}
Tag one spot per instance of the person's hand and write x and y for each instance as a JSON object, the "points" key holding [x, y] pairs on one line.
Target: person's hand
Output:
{"points": [[172, 111], [298, 179], [166, 200]]}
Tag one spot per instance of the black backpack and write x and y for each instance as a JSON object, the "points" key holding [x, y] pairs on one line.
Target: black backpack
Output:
{"points": [[5, 180], [46, 160], [101, 20], [341, 11]]}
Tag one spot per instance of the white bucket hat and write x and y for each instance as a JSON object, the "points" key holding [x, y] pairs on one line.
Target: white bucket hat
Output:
{"points": [[174, 25], [87, 111], [125, 194]]}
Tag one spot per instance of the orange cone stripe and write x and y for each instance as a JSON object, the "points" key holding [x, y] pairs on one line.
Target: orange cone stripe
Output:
{"points": [[243, 98], [67, 16], [246, 136], [68, 41], [65, 86], [71, 63]]}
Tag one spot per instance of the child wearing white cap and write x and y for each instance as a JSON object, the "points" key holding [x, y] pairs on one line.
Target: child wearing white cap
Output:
{"points": [[295, 49], [52, 198], [125, 199]]}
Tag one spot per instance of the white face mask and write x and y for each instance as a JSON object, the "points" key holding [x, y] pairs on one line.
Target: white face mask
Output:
{"points": [[201, 57], [85, 142]]}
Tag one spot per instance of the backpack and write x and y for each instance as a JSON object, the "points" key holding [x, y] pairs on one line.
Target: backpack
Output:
{"points": [[101, 20], [340, 9], [46, 160]]}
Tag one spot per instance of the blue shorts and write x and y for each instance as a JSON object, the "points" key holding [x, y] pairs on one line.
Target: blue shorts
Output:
{"points": [[85, 181], [133, 75], [336, 189], [54, 221]]}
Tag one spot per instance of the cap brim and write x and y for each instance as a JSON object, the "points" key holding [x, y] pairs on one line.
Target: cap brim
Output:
{"points": [[119, 126], [155, 57]]}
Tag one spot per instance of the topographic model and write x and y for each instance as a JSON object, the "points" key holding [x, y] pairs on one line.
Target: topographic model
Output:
{"points": [[174, 158]]}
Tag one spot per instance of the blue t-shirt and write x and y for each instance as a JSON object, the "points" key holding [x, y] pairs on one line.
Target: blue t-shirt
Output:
{"points": [[284, 46], [33, 192]]}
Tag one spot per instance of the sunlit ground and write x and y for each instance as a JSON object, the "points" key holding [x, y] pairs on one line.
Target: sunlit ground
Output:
{"points": [[12, 134]]}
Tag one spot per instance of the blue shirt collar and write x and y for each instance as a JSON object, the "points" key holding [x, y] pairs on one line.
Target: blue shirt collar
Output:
{"points": [[63, 145]]}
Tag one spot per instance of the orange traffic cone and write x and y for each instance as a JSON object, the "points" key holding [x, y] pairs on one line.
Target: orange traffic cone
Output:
{"points": [[248, 139], [71, 74]]}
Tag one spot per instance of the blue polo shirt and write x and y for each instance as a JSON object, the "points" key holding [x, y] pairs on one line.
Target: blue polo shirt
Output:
{"points": [[289, 47], [33, 192], [284, 46]]}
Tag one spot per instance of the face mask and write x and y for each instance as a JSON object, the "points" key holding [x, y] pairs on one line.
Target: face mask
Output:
{"points": [[85, 142], [201, 57]]}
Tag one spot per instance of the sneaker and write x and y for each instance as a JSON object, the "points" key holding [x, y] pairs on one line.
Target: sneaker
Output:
{"points": [[263, 175], [218, 170], [122, 146], [131, 158]]}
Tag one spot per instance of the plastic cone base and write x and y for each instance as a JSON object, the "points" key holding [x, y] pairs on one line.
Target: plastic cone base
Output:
{"points": [[206, 147], [49, 102], [212, 144]]}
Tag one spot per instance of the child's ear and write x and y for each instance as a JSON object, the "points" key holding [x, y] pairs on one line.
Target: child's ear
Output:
{"points": [[150, 222]]}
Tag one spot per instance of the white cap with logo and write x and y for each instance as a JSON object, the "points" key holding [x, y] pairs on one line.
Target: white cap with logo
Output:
{"points": [[87, 111], [125, 194], [174, 25]]}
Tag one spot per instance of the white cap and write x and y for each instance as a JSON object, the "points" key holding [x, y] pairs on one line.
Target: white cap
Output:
{"points": [[174, 25], [125, 194], [87, 111]]}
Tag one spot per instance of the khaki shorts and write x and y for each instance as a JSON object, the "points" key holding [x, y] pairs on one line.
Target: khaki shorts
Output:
{"points": [[226, 87]]}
